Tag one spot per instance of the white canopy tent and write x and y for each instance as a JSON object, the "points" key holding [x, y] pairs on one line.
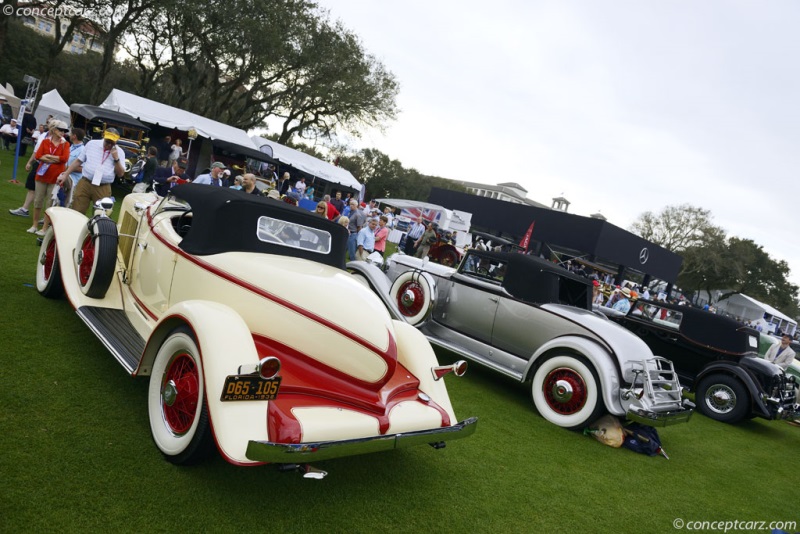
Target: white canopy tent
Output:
{"points": [[750, 309], [52, 104], [7, 92], [306, 163], [153, 112]]}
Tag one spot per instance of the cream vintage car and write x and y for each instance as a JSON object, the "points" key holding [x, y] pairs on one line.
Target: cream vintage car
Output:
{"points": [[253, 335]]}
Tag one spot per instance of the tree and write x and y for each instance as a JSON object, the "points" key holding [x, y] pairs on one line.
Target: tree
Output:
{"points": [[113, 18], [677, 228], [5, 23], [286, 60], [66, 13], [753, 272], [712, 261], [387, 178]]}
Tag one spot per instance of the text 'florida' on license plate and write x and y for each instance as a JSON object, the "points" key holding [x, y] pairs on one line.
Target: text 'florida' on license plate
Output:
{"points": [[249, 387]]}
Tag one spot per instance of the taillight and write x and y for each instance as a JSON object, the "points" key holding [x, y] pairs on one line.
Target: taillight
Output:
{"points": [[459, 368], [268, 367]]}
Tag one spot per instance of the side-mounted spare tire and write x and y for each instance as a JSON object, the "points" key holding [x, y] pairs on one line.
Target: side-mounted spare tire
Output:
{"points": [[413, 294], [96, 256]]}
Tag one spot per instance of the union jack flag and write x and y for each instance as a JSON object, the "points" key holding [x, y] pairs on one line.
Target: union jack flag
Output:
{"points": [[429, 215]]}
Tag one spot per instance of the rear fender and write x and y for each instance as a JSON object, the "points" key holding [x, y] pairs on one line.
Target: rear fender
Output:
{"points": [[414, 352], [225, 343], [600, 359]]}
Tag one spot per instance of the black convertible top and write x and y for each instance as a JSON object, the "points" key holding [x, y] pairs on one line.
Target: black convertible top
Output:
{"points": [[226, 220], [536, 280], [709, 329]]}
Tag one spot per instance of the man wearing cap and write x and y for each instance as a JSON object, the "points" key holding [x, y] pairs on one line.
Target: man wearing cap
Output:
{"points": [[101, 163], [166, 178], [212, 178]]}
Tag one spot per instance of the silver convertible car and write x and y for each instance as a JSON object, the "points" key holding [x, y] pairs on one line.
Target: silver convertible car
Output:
{"points": [[532, 321], [223, 300]]}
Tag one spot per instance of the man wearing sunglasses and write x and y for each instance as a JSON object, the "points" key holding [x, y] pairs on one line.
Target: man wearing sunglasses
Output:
{"points": [[101, 163]]}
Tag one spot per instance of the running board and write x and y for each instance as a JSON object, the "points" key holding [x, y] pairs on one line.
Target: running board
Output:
{"points": [[115, 331], [466, 347]]}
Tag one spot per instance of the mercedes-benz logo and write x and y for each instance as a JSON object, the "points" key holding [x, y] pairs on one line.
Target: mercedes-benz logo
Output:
{"points": [[644, 255]]}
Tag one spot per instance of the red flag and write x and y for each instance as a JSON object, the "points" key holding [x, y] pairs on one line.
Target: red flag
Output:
{"points": [[526, 240]]}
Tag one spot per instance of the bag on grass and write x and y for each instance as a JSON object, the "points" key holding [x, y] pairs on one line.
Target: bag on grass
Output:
{"points": [[643, 439], [607, 430]]}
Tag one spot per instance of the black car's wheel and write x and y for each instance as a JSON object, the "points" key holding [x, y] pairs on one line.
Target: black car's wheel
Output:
{"points": [[413, 296], [96, 256], [176, 401], [566, 391], [723, 398], [48, 270]]}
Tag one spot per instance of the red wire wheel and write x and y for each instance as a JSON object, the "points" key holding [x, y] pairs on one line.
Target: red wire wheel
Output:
{"points": [[49, 259], [180, 394], [565, 391], [410, 298], [87, 260]]}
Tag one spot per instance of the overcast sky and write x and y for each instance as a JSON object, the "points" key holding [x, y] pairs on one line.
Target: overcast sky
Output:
{"points": [[621, 106]]}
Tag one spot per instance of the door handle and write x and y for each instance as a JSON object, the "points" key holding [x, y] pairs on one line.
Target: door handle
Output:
{"points": [[494, 299]]}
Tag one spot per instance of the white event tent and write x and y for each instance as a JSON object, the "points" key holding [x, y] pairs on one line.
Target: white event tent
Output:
{"points": [[7, 92], [153, 112], [52, 104], [306, 163]]}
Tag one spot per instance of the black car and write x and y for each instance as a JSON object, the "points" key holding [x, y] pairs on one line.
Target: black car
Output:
{"points": [[716, 357]]}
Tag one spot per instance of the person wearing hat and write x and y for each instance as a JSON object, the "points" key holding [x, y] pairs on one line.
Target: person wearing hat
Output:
{"points": [[52, 155], [214, 177], [101, 163], [624, 303], [166, 178]]}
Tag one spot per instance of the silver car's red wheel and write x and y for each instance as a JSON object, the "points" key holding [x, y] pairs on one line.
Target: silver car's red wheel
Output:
{"points": [[413, 296], [48, 270], [566, 391], [176, 401]]}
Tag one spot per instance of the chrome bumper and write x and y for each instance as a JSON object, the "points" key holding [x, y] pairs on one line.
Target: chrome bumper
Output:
{"points": [[666, 418], [266, 451]]}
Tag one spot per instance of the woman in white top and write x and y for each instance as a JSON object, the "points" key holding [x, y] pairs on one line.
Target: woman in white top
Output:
{"points": [[177, 151]]}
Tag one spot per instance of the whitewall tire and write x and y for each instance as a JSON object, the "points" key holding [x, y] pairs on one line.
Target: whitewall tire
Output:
{"points": [[413, 295], [96, 256], [176, 402], [566, 391], [48, 270]]}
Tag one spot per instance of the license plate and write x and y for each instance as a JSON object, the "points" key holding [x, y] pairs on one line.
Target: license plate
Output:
{"points": [[249, 387]]}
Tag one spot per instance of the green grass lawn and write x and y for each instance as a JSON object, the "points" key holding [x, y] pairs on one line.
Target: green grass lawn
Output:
{"points": [[77, 454]]}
